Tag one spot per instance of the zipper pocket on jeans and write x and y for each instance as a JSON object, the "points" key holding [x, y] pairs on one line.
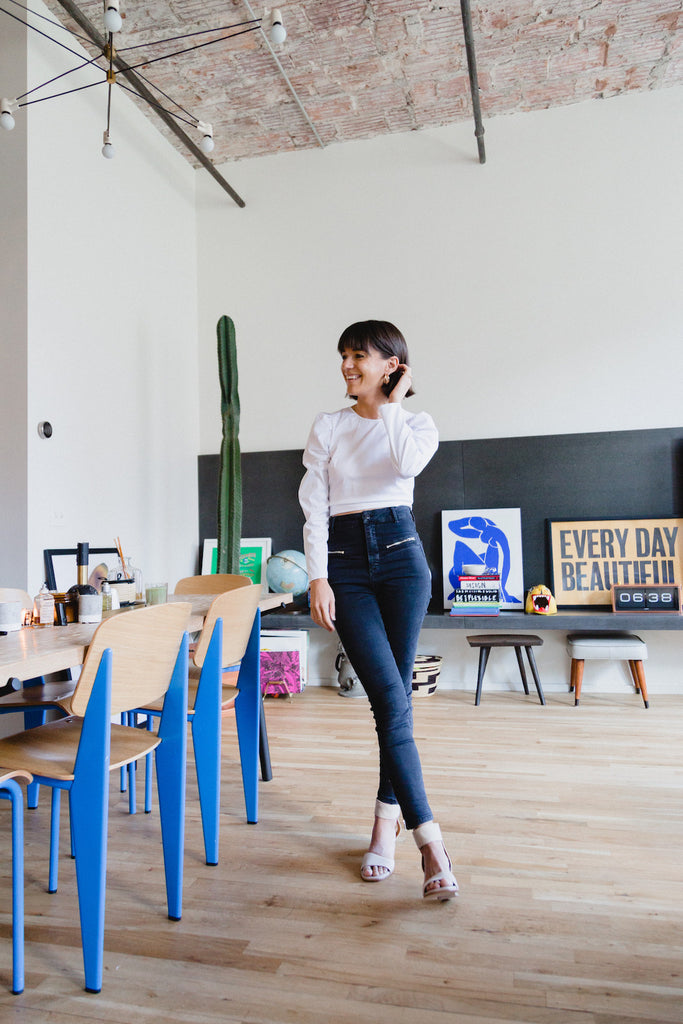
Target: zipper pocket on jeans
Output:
{"points": [[397, 543]]}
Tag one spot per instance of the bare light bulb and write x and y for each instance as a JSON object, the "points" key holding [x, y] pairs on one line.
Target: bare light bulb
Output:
{"points": [[7, 114], [206, 142], [278, 33], [108, 151], [112, 18]]}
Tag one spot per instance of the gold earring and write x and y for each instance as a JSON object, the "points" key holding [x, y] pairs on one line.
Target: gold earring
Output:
{"points": [[386, 378]]}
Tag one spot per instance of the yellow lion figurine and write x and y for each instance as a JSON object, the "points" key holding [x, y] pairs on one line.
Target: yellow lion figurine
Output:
{"points": [[540, 601]]}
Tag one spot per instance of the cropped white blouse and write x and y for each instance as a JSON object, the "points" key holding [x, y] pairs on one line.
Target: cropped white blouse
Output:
{"points": [[354, 464]]}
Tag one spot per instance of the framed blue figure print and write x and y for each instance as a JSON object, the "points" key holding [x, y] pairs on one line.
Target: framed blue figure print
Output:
{"points": [[489, 538]]}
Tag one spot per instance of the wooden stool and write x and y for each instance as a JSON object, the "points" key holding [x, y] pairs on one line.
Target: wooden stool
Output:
{"points": [[516, 640], [606, 646]]}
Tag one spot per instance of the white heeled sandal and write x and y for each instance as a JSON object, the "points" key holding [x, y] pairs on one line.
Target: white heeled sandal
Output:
{"points": [[431, 833], [391, 812]]}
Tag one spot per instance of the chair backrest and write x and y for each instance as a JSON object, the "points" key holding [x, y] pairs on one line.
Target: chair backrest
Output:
{"points": [[144, 646], [16, 773], [13, 594], [237, 609], [216, 583]]}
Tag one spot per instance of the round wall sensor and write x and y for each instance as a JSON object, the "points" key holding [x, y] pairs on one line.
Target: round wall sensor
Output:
{"points": [[45, 429]]}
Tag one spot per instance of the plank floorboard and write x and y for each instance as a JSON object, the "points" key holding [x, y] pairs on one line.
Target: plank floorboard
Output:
{"points": [[565, 825]]}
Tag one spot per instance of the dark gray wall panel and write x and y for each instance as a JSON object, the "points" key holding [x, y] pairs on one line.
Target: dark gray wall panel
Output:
{"points": [[575, 476]]}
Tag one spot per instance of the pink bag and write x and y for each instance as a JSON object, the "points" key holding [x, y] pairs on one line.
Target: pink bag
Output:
{"points": [[280, 673]]}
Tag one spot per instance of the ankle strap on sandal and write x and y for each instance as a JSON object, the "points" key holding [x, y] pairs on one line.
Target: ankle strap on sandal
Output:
{"points": [[390, 811], [429, 832]]}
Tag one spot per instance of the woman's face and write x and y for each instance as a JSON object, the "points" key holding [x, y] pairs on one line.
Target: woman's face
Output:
{"points": [[364, 372]]}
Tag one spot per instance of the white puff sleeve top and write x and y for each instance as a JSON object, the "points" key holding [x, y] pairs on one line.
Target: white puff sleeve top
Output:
{"points": [[354, 464]]}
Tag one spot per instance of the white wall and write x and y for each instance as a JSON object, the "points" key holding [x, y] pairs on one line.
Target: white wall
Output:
{"points": [[459, 666], [545, 286], [548, 280], [13, 319], [112, 331]]}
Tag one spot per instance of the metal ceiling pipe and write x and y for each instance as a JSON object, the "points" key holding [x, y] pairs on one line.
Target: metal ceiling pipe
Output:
{"points": [[474, 84], [100, 42], [286, 78]]}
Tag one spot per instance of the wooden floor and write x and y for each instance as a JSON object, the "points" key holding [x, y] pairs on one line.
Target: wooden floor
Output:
{"points": [[566, 826]]}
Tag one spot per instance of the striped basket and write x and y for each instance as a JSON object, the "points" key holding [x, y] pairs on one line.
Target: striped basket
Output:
{"points": [[426, 674]]}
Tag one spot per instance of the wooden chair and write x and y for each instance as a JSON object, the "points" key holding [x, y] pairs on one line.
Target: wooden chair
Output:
{"points": [[140, 655], [219, 583], [16, 594], [10, 790], [216, 583], [32, 696], [230, 638]]}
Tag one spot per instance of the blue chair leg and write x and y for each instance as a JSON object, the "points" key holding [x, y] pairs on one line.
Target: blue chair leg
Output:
{"points": [[132, 801], [11, 791], [171, 764], [33, 718], [148, 771], [32, 791], [149, 763], [247, 716], [206, 741], [123, 773], [264, 747], [53, 876], [89, 820]]}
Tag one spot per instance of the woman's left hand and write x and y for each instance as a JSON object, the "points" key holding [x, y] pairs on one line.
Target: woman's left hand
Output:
{"points": [[400, 390]]}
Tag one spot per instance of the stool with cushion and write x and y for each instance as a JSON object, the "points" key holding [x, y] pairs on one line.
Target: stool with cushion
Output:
{"points": [[607, 646], [517, 640]]}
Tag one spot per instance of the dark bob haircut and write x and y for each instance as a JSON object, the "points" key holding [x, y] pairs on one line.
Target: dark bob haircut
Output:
{"points": [[384, 338]]}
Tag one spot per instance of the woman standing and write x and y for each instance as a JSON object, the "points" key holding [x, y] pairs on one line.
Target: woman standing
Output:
{"points": [[369, 575]]}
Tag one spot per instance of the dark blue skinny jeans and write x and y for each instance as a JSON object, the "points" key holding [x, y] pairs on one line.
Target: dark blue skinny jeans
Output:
{"points": [[382, 585]]}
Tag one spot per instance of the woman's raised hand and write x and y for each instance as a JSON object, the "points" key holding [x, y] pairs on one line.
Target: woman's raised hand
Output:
{"points": [[399, 392], [322, 604]]}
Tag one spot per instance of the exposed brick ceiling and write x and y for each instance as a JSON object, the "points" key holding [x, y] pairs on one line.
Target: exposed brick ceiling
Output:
{"points": [[363, 69]]}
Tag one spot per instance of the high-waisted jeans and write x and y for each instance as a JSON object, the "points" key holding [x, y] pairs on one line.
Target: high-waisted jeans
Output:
{"points": [[382, 584]]}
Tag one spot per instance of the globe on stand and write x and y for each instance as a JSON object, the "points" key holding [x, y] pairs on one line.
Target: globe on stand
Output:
{"points": [[286, 573]]}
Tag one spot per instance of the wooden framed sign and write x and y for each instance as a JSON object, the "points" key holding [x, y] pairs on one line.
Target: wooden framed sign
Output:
{"points": [[590, 556], [655, 598]]}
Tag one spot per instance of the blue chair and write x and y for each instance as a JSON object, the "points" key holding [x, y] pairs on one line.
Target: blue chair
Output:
{"points": [[230, 638], [219, 583], [142, 653], [10, 790], [33, 697]]}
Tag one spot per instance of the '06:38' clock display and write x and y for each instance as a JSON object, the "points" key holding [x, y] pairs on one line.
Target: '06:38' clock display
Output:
{"points": [[653, 598]]}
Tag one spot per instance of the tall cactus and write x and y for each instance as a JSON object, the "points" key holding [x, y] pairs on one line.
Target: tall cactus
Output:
{"points": [[230, 475]]}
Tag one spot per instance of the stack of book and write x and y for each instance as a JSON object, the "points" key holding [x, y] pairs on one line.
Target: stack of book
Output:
{"points": [[477, 595]]}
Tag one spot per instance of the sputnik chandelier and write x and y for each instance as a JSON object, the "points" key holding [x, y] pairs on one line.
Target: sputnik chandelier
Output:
{"points": [[114, 63]]}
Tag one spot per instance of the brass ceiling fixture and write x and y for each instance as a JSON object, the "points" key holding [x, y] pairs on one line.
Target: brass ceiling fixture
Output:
{"points": [[138, 84], [121, 65]]}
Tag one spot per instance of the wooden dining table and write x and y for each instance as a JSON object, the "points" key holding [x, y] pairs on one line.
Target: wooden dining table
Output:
{"points": [[37, 651]]}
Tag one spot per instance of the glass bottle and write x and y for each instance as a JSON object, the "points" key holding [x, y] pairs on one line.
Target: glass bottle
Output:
{"points": [[82, 556], [136, 574], [44, 608], [106, 596], [119, 572]]}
